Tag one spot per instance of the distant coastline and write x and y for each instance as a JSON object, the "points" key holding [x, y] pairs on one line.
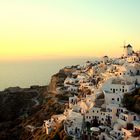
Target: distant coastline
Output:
{"points": [[26, 73]]}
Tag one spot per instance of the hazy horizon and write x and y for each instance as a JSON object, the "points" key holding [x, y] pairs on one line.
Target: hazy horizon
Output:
{"points": [[38, 37], [33, 72]]}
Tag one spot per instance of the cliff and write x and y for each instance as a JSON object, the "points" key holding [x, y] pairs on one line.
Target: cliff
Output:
{"points": [[58, 79], [23, 111], [16, 106]]}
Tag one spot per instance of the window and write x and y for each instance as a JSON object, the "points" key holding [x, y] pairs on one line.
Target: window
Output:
{"points": [[118, 99], [111, 89], [116, 89], [112, 99], [120, 89], [125, 118], [135, 118], [93, 111]]}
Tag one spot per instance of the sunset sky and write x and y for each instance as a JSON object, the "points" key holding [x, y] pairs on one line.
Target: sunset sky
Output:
{"points": [[45, 29]]}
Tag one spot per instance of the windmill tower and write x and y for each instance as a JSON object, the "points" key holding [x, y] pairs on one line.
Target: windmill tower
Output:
{"points": [[128, 50]]}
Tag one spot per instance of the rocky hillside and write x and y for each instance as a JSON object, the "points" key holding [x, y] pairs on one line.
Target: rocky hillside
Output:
{"points": [[23, 111], [58, 79], [16, 106]]}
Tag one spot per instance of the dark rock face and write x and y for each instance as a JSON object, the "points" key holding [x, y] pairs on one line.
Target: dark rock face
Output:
{"points": [[15, 109], [19, 110], [14, 105]]}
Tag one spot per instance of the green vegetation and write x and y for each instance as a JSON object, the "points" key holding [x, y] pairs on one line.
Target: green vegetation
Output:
{"points": [[132, 101]]}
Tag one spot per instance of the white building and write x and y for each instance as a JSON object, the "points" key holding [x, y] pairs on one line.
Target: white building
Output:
{"points": [[73, 124], [51, 124], [127, 117], [105, 59], [114, 89]]}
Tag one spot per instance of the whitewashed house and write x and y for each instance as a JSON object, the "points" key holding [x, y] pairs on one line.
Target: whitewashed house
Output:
{"points": [[114, 89], [127, 117], [105, 59], [51, 124], [73, 124]]}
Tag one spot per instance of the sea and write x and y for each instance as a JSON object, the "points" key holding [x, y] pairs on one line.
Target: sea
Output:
{"points": [[33, 72]]}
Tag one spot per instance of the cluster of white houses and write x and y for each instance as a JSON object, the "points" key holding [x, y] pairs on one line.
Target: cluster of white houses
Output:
{"points": [[106, 80]]}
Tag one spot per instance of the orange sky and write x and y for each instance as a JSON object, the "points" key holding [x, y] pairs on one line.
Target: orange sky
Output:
{"points": [[61, 29]]}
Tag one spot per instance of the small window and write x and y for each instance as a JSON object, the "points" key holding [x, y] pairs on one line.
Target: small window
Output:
{"points": [[116, 89], [112, 99], [118, 99], [135, 118]]}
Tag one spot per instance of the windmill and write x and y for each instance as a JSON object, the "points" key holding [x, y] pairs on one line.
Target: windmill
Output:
{"points": [[128, 50]]}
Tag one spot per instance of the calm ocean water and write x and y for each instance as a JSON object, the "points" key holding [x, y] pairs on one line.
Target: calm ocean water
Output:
{"points": [[26, 73]]}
